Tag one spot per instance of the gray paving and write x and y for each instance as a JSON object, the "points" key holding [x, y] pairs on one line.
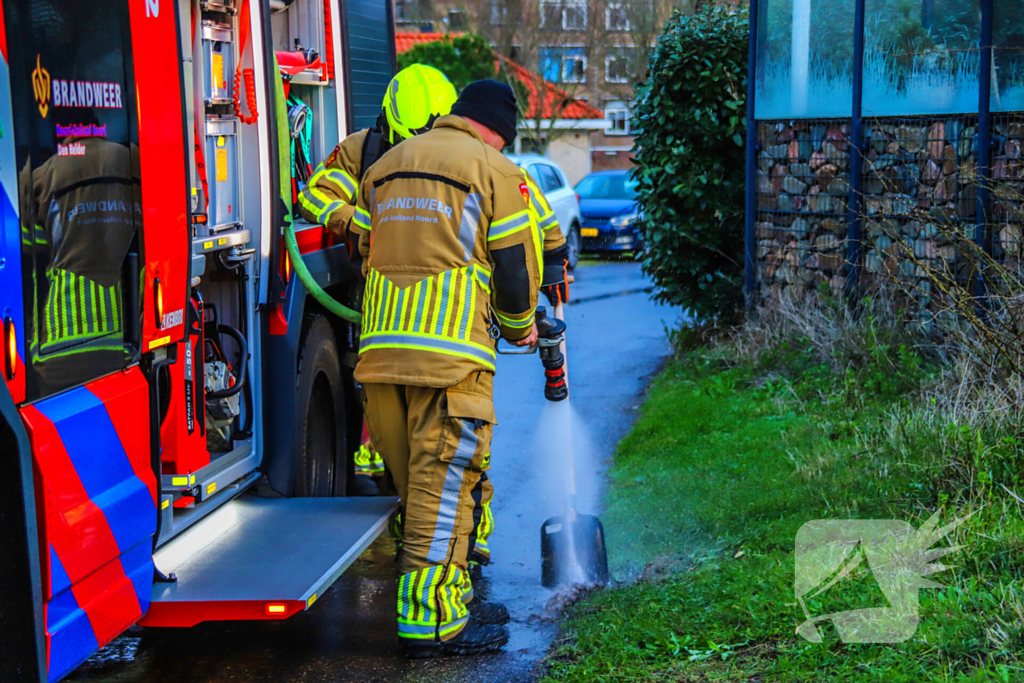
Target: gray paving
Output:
{"points": [[616, 341]]}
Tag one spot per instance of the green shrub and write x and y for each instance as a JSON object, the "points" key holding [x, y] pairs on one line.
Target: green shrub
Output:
{"points": [[463, 59], [689, 124]]}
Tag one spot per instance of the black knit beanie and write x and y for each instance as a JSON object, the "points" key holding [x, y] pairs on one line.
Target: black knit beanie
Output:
{"points": [[491, 103]]}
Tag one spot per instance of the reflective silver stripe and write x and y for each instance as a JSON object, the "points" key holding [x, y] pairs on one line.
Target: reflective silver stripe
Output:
{"points": [[307, 195], [467, 294], [470, 223], [517, 322], [385, 291], [325, 215], [507, 227], [419, 629], [548, 222], [445, 283], [450, 493], [421, 306], [426, 343], [342, 179], [399, 313]]}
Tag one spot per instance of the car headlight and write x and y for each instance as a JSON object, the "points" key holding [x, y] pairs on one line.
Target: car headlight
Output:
{"points": [[624, 221]]}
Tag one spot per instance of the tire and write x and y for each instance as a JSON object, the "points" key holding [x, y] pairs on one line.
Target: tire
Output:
{"points": [[575, 243], [321, 468]]}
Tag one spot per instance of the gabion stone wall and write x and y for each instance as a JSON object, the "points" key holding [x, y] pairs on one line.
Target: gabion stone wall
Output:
{"points": [[920, 186], [803, 190]]}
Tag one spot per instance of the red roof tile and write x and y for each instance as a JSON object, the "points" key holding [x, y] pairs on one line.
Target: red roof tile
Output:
{"points": [[553, 96], [405, 41]]}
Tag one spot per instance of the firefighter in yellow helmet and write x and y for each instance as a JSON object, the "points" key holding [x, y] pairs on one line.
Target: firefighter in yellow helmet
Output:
{"points": [[450, 255], [416, 97]]}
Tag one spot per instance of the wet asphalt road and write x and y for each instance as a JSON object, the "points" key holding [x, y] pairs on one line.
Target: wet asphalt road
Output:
{"points": [[616, 341]]}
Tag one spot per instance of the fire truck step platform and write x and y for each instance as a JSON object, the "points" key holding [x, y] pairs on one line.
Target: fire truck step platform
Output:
{"points": [[262, 558]]}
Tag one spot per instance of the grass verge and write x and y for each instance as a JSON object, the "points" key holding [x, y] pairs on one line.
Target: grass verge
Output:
{"points": [[736, 448]]}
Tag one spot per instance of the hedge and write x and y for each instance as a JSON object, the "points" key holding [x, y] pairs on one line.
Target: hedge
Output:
{"points": [[689, 126]]}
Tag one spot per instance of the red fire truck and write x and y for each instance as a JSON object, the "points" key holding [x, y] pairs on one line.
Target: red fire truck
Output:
{"points": [[178, 411]]}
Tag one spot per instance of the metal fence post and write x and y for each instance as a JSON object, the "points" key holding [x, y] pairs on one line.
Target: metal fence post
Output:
{"points": [[750, 234], [982, 234], [853, 246]]}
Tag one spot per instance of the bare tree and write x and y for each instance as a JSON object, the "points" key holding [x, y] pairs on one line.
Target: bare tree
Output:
{"points": [[634, 27], [541, 43]]}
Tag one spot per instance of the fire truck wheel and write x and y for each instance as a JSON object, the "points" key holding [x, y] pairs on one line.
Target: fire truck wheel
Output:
{"points": [[321, 468]]}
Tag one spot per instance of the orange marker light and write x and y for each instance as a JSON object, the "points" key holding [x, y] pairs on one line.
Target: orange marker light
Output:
{"points": [[158, 296], [276, 608], [11, 347], [287, 268]]}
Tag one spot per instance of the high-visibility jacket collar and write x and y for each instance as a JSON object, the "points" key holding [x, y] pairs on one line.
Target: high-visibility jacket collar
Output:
{"points": [[458, 123]]}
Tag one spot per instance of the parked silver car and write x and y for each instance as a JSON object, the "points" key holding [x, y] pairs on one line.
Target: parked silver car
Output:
{"points": [[559, 194]]}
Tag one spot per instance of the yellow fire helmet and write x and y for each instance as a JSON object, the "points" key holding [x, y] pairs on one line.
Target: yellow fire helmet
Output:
{"points": [[417, 96]]}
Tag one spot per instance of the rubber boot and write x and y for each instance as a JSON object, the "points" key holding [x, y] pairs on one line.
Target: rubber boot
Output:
{"points": [[487, 612], [474, 639]]}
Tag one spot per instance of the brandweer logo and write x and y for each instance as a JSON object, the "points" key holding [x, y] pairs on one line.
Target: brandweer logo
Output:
{"points": [[41, 87]]}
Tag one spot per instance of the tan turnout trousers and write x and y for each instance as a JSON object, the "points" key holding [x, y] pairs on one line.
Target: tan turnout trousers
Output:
{"points": [[436, 444]]}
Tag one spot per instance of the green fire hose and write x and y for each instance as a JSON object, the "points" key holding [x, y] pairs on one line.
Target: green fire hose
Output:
{"points": [[284, 149], [325, 299]]}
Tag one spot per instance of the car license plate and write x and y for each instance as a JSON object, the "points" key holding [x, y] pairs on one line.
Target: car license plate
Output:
{"points": [[589, 232]]}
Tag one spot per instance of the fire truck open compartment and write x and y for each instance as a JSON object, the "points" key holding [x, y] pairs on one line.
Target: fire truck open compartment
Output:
{"points": [[310, 28], [210, 387]]}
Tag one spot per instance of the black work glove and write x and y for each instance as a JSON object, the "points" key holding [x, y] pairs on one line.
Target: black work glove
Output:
{"points": [[555, 284]]}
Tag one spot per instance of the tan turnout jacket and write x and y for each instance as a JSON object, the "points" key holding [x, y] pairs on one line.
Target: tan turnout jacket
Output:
{"points": [[447, 239]]}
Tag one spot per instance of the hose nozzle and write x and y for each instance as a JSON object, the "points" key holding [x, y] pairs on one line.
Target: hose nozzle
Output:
{"points": [[551, 333]]}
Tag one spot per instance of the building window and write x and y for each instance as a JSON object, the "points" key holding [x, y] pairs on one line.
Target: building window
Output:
{"points": [[456, 20], [574, 16], [615, 16], [574, 68], [402, 10], [616, 69], [569, 15], [619, 119], [563, 64], [499, 12]]}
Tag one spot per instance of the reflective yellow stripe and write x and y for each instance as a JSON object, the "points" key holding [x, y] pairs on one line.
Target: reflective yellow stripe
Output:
{"points": [[517, 322], [76, 310], [361, 218], [376, 299], [432, 314]]}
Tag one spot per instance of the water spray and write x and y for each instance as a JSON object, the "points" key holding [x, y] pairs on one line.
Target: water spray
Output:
{"points": [[572, 545]]}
